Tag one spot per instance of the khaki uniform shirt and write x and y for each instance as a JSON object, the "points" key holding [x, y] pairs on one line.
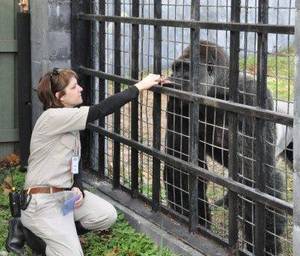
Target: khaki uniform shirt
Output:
{"points": [[54, 140]]}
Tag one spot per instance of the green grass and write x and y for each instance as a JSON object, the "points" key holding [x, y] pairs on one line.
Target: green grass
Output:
{"points": [[121, 240], [280, 72], [4, 217]]}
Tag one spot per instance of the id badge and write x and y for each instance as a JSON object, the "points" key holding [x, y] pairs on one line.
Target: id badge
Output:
{"points": [[75, 164]]}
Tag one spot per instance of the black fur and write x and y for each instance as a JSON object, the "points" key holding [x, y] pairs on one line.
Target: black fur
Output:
{"points": [[213, 140]]}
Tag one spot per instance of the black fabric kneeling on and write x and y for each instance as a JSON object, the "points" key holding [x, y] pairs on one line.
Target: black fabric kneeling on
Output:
{"points": [[112, 103]]}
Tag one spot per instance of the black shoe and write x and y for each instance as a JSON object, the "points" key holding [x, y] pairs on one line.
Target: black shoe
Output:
{"points": [[35, 243], [15, 238], [80, 229]]}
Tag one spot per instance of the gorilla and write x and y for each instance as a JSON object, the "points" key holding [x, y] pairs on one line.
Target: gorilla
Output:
{"points": [[213, 142], [284, 142]]}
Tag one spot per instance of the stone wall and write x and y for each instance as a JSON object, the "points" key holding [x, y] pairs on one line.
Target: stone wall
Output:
{"points": [[50, 41]]}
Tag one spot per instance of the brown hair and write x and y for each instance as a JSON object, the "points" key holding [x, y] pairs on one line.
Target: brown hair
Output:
{"points": [[51, 83]]}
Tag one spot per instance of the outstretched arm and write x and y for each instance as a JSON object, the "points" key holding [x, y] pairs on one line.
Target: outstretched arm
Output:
{"points": [[113, 103]]}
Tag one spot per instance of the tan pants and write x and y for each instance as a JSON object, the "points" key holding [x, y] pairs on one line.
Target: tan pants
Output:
{"points": [[44, 218]]}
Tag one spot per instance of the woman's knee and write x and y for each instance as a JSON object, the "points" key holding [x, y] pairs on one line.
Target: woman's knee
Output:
{"points": [[113, 216], [100, 220], [109, 218]]}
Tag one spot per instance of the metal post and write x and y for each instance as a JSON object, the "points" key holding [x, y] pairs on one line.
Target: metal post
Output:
{"points": [[24, 84], [296, 138], [233, 127], [134, 103], [101, 139], [117, 70], [194, 117], [81, 55], [94, 80], [156, 110], [260, 131]]}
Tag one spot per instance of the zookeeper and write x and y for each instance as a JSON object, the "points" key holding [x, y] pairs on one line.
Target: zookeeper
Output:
{"points": [[53, 162]]}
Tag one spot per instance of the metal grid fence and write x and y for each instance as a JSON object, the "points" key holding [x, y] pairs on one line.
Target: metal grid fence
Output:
{"points": [[215, 148]]}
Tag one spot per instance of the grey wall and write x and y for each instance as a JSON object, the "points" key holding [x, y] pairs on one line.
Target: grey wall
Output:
{"points": [[50, 41]]}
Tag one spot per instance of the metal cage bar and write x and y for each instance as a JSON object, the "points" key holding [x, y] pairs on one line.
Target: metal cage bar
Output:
{"points": [[233, 126], [101, 139], [284, 29], [134, 103], [234, 109], [235, 186], [203, 100], [260, 132], [94, 30], [156, 110], [117, 88], [194, 117], [81, 56]]}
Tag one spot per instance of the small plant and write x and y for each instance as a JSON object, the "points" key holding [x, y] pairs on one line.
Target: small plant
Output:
{"points": [[10, 178], [8, 166]]}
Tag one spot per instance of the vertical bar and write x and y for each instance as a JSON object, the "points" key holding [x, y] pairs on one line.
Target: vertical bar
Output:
{"points": [[134, 103], [233, 127], [94, 80], [296, 138], [80, 55], [260, 133], [24, 84], [117, 68], [194, 117], [156, 109], [101, 138]]}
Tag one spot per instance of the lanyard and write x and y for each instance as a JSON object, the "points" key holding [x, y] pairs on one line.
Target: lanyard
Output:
{"points": [[76, 155], [76, 150]]}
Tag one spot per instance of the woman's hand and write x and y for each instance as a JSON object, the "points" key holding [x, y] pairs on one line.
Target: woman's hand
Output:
{"points": [[150, 80], [77, 191]]}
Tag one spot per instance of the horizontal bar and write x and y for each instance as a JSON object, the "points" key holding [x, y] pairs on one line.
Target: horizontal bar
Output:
{"points": [[8, 46], [232, 185], [262, 28], [230, 106]]}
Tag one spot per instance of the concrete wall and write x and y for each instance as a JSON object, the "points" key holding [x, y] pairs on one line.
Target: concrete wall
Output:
{"points": [[50, 41]]}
